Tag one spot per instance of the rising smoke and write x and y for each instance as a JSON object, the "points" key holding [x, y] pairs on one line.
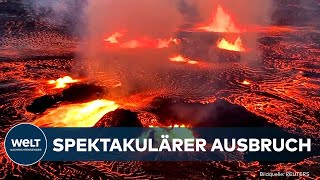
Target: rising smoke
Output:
{"points": [[155, 19], [137, 20]]}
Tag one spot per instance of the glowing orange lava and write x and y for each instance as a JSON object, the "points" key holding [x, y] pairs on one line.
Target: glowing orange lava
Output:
{"points": [[113, 39], [221, 22], [181, 59], [62, 82], [246, 82], [77, 115], [192, 62], [178, 58], [236, 46], [144, 42]]}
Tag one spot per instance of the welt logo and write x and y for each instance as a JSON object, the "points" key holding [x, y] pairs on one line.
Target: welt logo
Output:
{"points": [[25, 143]]}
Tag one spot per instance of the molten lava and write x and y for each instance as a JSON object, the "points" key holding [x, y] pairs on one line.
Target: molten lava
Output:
{"points": [[246, 82], [77, 115], [62, 82], [178, 58], [221, 22], [192, 62], [182, 59], [113, 39], [145, 42], [236, 46]]}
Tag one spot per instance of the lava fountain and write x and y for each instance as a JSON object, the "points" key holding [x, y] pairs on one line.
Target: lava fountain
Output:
{"points": [[236, 46], [221, 22], [62, 82], [113, 39]]}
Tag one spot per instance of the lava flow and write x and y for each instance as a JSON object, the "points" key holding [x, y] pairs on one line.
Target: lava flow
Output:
{"points": [[221, 22], [62, 82], [236, 46], [77, 115]]}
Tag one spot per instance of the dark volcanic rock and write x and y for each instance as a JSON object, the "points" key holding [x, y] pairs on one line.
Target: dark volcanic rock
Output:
{"points": [[221, 113], [197, 45], [120, 118], [227, 56], [42, 103], [202, 45], [78, 93], [82, 93]]}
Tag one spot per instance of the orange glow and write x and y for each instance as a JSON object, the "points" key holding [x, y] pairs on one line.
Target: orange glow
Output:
{"points": [[148, 43], [174, 40], [133, 44], [246, 82], [192, 62], [237, 46], [144, 42], [113, 39], [77, 115], [164, 43], [182, 59], [221, 22], [178, 126], [62, 82], [178, 58], [273, 29], [119, 84]]}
